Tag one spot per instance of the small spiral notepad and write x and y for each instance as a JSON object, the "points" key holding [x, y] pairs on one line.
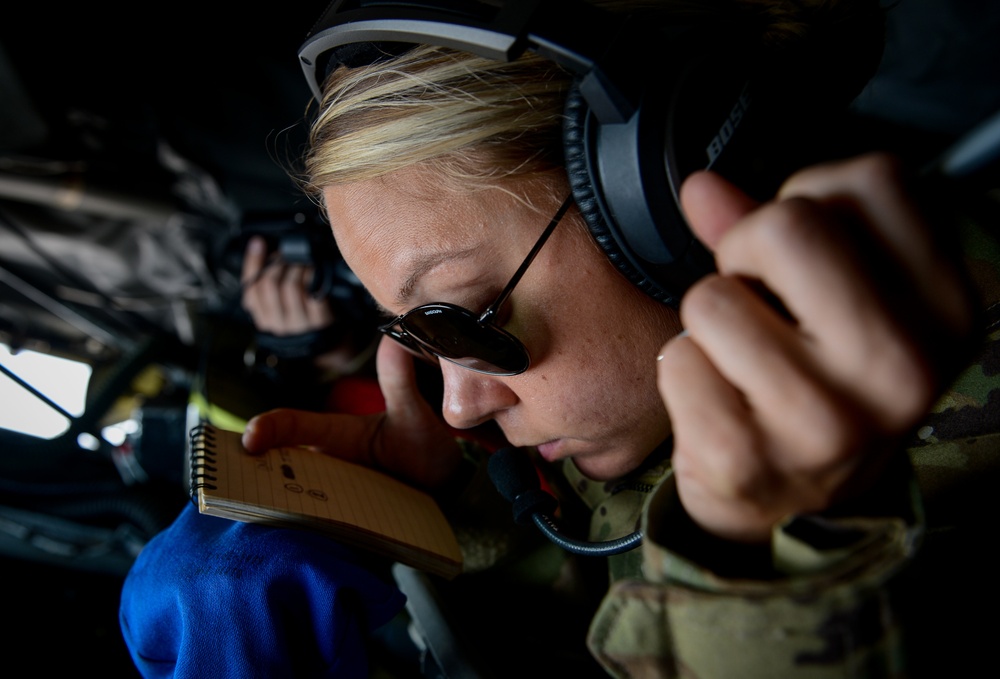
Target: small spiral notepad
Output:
{"points": [[301, 488]]}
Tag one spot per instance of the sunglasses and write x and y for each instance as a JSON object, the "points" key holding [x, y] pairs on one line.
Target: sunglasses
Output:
{"points": [[473, 341]]}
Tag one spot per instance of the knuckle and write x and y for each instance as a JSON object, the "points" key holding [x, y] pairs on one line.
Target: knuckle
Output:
{"points": [[877, 172], [789, 225], [867, 173], [707, 299], [835, 433], [907, 385], [828, 426], [787, 228], [721, 459]]}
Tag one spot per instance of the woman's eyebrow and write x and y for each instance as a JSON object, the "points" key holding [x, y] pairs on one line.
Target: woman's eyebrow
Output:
{"points": [[425, 263]]}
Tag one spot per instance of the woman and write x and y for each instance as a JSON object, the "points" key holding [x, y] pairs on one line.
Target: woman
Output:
{"points": [[762, 449]]}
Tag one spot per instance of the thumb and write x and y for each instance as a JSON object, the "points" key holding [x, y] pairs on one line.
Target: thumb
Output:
{"points": [[712, 205], [405, 406], [397, 378], [414, 441]]}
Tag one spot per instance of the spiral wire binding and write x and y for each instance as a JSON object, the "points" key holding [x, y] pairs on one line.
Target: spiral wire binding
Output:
{"points": [[202, 459]]}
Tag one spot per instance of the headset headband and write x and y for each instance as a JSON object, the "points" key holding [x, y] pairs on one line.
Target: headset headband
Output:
{"points": [[586, 46]]}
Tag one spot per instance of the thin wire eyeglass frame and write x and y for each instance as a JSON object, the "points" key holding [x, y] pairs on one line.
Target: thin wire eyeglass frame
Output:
{"points": [[517, 359]]}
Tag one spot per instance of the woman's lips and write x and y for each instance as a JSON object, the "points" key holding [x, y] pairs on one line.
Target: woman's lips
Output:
{"points": [[550, 449]]}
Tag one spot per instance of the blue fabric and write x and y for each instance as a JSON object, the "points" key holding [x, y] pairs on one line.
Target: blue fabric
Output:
{"points": [[209, 597]]}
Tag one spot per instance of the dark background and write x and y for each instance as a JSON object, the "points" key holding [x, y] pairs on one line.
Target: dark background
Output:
{"points": [[218, 81], [101, 85]]}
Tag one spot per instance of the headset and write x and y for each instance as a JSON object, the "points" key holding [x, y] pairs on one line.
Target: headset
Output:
{"points": [[646, 109]]}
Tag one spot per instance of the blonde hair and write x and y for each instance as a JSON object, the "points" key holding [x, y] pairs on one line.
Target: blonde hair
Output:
{"points": [[480, 122], [475, 120]]}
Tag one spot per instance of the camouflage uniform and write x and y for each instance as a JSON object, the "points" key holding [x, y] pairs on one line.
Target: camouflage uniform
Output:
{"points": [[883, 591]]}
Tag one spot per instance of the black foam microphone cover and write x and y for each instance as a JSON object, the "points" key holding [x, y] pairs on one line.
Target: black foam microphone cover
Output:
{"points": [[514, 476]]}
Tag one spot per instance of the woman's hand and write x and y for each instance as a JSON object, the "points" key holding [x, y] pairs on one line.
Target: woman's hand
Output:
{"points": [[832, 325], [408, 439]]}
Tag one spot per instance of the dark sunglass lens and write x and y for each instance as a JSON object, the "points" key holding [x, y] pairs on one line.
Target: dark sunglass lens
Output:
{"points": [[410, 344], [459, 337]]}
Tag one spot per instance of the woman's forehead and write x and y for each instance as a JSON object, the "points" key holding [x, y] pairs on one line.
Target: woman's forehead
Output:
{"points": [[376, 220], [392, 238]]}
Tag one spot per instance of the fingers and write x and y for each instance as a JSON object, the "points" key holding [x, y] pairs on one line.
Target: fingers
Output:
{"points": [[712, 205], [277, 300], [831, 251], [743, 462], [874, 187], [346, 436], [318, 312], [253, 259], [407, 439], [808, 354], [781, 376], [845, 325], [276, 294], [713, 446]]}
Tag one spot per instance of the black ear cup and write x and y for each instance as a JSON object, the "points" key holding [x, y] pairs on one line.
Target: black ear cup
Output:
{"points": [[626, 180], [704, 113], [582, 184]]}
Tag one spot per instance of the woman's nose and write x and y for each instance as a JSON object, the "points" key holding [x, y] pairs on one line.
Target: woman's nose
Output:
{"points": [[472, 398]]}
